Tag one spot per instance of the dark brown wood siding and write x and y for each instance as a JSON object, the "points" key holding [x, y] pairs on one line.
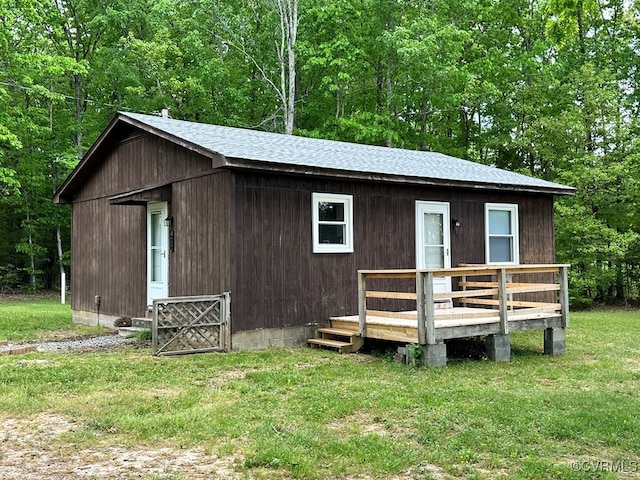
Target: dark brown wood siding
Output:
{"points": [[140, 162], [109, 249], [278, 281], [200, 264], [251, 234], [109, 258]]}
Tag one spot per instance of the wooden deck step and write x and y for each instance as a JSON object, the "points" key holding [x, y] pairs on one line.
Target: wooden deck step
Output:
{"points": [[341, 347], [341, 339], [326, 342], [341, 332]]}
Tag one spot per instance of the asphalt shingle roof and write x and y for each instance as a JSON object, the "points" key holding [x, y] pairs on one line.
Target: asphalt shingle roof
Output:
{"points": [[273, 148]]}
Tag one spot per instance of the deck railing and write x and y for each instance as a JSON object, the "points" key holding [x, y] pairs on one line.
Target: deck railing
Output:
{"points": [[494, 292]]}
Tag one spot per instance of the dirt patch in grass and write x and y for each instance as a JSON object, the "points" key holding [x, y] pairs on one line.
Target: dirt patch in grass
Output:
{"points": [[632, 364], [222, 378], [363, 424], [33, 449]]}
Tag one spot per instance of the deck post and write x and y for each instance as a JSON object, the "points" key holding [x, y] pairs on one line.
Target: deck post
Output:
{"points": [[430, 313], [503, 301], [362, 305], [420, 307], [564, 295]]}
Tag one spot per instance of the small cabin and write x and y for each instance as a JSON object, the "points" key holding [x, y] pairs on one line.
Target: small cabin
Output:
{"points": [[166, 208]]}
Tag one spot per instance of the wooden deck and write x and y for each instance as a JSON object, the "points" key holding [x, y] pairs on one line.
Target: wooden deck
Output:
{"points": [[457, 322], [488, 300]]}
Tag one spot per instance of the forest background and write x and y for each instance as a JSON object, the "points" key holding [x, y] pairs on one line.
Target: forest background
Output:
{"points": [[549, 88]]}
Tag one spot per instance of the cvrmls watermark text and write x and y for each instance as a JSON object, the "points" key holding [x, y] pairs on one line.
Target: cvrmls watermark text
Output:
{"points": [[619, 466]]}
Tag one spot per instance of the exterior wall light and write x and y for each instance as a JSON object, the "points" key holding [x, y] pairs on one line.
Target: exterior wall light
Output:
{"points": [[168, 222]]}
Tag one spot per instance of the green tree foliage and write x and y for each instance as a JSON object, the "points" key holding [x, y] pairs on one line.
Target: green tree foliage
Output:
{"points": [[30, 162], [545, 87]]}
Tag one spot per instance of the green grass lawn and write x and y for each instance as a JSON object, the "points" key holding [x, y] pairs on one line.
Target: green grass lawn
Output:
{"points": [[315, 414], [36, 319]]}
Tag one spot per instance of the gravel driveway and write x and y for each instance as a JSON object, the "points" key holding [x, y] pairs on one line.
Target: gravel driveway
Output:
{"points": [[85, 344]]}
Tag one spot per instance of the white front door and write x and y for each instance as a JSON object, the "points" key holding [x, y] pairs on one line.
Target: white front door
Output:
{"points": [[433, 240], [157, 252]]}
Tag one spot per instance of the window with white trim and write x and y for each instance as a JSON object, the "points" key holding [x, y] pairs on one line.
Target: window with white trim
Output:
{"points": [[332, 218], [501, 228]]}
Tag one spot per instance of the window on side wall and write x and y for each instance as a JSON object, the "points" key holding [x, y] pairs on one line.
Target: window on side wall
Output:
{"points": [[332, 217], [501, 227]]}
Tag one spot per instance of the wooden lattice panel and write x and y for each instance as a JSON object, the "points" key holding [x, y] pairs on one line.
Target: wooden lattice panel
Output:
{"points": [[191, 324]]}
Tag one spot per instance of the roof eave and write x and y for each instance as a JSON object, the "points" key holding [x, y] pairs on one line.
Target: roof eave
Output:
{"points": [[274, 167]]}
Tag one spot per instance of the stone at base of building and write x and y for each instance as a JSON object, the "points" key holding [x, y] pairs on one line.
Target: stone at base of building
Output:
{"points": [[92, 318], [286, 337], [498, 347], [554, 341]]}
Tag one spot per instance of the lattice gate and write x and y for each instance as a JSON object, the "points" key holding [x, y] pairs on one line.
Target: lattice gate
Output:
{"points": [[191, 324]]}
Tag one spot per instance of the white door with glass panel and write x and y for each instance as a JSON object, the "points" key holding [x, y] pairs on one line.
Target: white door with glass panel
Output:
{"points": [[157, 252], [433, 240]]}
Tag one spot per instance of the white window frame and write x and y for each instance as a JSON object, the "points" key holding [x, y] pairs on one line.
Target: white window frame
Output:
{"points": [[347, 201], [512, 208]]}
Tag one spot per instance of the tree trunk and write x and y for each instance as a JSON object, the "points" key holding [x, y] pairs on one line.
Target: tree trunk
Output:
{"points": [[389, 142], [59, 245], [288, 12], [77, 86], [32, 258], [58, 235]]}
